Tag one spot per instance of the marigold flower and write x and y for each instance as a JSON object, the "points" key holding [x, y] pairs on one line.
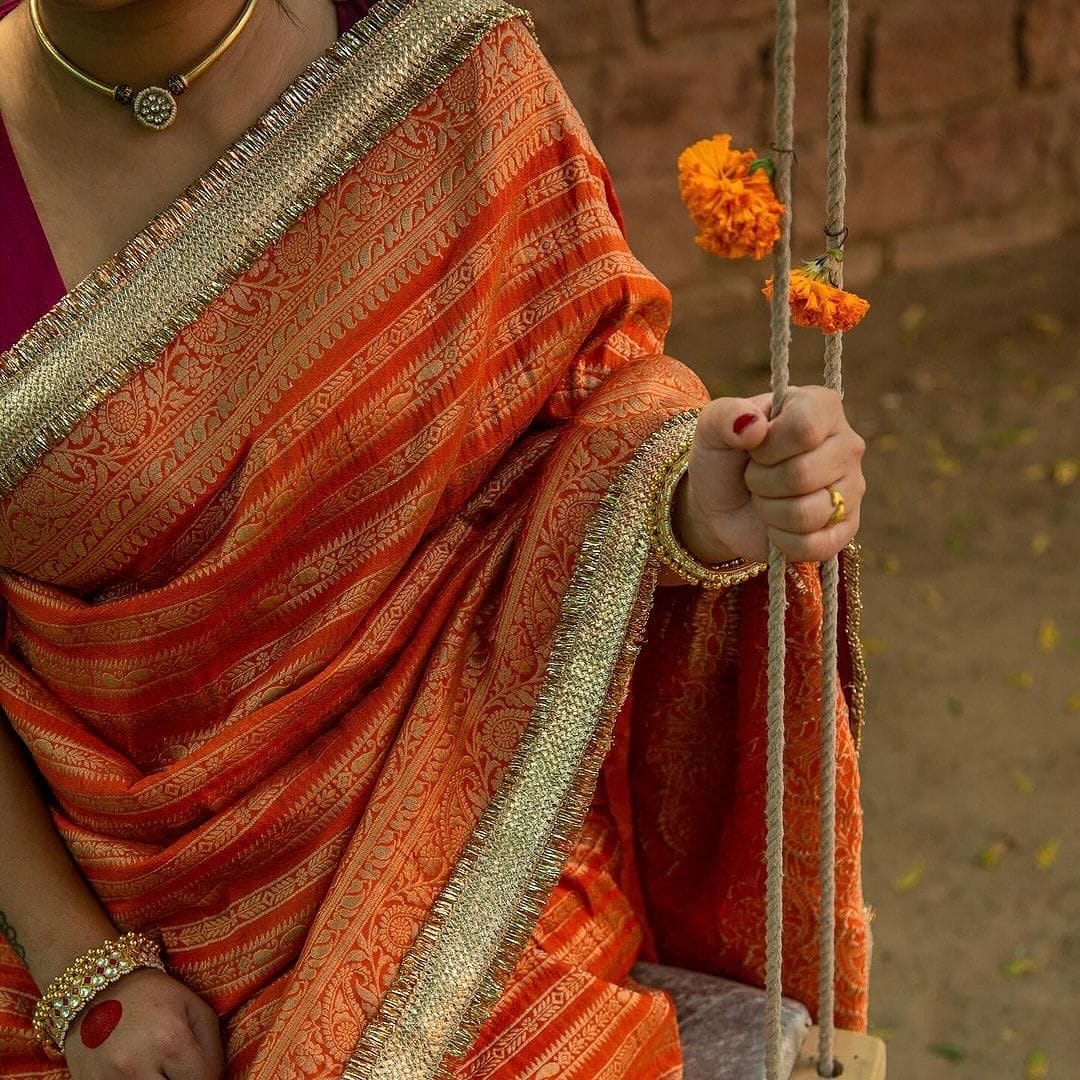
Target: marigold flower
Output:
{"points": [[815, 302], [735, 208]]}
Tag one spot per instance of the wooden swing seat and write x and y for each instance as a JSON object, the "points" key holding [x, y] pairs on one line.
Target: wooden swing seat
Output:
{"points": [[722, 1030], [721, 1023]]}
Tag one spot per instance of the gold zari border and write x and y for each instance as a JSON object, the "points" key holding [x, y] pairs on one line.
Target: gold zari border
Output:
{"points": [[481, 921], [851, 583], [120, 317]]}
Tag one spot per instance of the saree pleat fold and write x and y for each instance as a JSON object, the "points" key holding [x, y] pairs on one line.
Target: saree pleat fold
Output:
{"points": [[329, 615]]}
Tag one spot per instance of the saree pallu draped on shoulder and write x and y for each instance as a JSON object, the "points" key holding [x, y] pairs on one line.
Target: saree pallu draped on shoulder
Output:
{"points": [[329, 611]]}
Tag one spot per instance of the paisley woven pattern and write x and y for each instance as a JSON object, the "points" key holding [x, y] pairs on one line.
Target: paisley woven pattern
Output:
{"points": [[278, 609]]}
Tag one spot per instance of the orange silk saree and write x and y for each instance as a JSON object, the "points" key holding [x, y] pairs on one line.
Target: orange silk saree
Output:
{"points": [[329, 617]]}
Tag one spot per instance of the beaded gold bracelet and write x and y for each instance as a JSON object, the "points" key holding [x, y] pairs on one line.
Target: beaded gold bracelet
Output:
{"points": [[71, 991], [671, 552]]}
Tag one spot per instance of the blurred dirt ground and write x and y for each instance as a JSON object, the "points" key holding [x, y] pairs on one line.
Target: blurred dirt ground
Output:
{"points": [[966, 384]]}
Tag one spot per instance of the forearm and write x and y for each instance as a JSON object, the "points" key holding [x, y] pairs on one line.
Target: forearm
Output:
{"points": [[47, 911]]}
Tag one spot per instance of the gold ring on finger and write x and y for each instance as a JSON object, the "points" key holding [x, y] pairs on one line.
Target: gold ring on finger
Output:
{"points": [[839, 510]]}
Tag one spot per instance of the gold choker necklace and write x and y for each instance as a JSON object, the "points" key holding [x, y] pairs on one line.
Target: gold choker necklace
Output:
{"points": [[154, 106]]}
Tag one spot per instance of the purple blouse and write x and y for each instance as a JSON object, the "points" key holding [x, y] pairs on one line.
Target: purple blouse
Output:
{"points": [[30, 283]]}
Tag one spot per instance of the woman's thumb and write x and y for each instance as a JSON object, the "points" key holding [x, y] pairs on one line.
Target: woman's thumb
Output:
{"points": [[734, 423]]}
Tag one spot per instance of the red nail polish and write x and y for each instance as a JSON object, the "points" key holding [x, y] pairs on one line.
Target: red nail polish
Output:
{"points": [[744, 421]]}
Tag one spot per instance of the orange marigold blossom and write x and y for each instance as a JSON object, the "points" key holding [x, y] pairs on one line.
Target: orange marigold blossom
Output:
{"points": [[735, 208], [816, 302]]}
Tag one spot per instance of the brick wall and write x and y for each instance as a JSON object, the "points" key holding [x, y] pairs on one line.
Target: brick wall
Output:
{"points": [[964, 121]]}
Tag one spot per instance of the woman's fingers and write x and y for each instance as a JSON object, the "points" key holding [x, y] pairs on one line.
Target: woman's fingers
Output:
{"points": [[809, 416], [803, 514], [726, 429], [807, 473], [799, 516], [206, 1029], [188, 1063], [175, 1048], [800, 526], [816, 546], [733, 423]]}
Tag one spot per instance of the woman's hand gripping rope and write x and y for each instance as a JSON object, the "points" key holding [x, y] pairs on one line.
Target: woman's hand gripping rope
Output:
{"points": [[753, 478]]}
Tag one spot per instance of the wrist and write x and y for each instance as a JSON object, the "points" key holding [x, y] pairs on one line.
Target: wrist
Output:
{"points": [[71, 992], [688, 526], [47, 958], [670, 549]]}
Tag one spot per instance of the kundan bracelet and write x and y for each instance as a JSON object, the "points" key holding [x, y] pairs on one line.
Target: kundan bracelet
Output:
{"points": [[70, 992], [672, 553]]}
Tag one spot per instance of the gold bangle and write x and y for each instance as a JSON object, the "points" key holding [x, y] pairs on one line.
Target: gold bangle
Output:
{"points": [[71, 991], [671, 552]]}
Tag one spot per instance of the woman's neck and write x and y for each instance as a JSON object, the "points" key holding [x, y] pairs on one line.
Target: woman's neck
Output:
{"points": [[125, 173], [142, 42]]}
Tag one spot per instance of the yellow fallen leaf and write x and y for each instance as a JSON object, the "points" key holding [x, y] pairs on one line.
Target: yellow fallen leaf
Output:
{"points": [[1040, 543], [1022, 680], [1023, 783], [1036, 472], [1022, 965], [1048, 636], [910, 878], [946, 466], [1046, 324], [891, 564], [1066, 471], [886, 443], [1037, 1066], [991, 855], [912, 319], [1009, 349], [884, 1034], [931, 597], [1013, 436], [1047, 855]]}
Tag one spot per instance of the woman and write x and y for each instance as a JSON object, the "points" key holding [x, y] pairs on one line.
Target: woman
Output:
{"points": [[334, 636]]}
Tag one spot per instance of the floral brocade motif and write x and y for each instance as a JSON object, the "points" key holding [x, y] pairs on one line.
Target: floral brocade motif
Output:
{"points": [[278, 610]]}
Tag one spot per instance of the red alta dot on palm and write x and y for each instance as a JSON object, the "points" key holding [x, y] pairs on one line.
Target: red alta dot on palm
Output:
{"points": [[99, 1022]]}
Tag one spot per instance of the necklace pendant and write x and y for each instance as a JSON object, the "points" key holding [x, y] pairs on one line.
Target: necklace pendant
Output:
{"points": [[154, 108]]}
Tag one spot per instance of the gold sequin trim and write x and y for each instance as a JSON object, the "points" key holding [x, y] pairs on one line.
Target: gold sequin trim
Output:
{"points": [[481, 921], [120, 317]]}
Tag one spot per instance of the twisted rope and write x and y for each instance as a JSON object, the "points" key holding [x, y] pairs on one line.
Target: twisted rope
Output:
{"points": [[779, 351], [836, 150], [836, 231]]}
